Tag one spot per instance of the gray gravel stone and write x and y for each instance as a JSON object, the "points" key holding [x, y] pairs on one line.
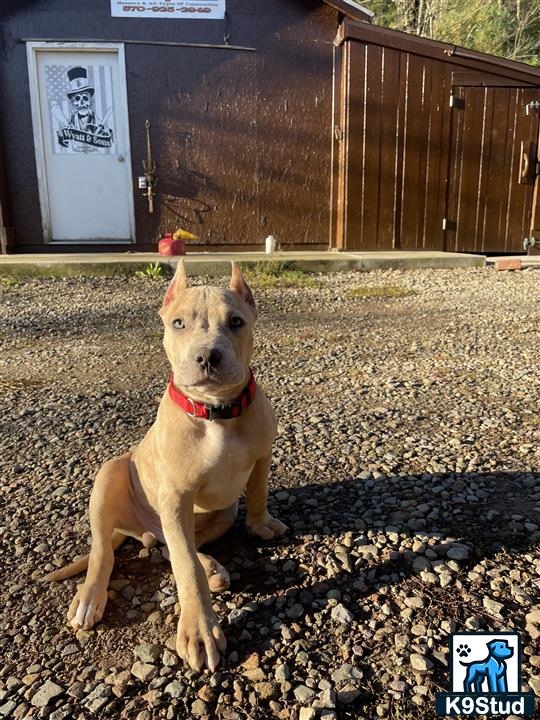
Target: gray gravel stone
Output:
{"points": [[341, 615], [48, 692], [420, 662]]}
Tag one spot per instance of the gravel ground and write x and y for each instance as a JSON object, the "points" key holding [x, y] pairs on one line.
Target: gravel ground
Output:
{"points": [[406, 468]]}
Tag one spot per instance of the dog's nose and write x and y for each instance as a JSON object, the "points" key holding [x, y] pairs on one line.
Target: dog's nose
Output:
{"points": [[208, 358]]}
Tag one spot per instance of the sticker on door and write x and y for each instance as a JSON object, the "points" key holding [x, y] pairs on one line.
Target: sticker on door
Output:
{"points": [[81, 109]]}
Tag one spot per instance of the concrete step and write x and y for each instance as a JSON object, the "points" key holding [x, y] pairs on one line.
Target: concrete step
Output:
{"points": [[64, 264]]}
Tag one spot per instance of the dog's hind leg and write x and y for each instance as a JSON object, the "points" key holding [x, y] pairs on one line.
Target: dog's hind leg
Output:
{"points": [[110, 495]]}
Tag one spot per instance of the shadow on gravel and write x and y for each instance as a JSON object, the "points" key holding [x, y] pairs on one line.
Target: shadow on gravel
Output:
{"points": [[488, 525], [438, 513], [462, 527]]}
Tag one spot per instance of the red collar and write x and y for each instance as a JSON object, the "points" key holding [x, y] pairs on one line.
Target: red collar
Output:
{"points": [[214, 412]]}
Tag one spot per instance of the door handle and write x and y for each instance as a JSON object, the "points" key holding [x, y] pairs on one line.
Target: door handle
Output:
{"points": [[525, 164], [120, 158]]}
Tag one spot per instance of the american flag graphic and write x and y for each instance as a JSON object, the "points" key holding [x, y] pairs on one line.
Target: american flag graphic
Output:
{"points": [[61, 109]]}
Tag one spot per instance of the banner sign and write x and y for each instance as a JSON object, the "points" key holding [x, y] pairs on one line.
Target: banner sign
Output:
{"points": [[184, 9]]}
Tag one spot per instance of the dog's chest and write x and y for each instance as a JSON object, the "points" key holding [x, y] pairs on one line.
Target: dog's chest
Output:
{"points": [[226, 462]]}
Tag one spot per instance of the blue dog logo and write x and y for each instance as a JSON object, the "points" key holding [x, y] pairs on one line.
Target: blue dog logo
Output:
{"points": [[493, 668], [485, 687]]}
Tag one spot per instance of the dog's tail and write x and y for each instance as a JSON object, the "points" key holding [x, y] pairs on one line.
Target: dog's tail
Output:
{"points": [[81, 564]]}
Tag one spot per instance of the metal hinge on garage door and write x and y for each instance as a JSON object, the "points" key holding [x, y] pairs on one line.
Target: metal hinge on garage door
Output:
{"points": [[457, 102]]}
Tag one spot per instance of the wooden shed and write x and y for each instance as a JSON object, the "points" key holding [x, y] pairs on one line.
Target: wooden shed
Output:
{"points": [[436, 146], [293, 118]]}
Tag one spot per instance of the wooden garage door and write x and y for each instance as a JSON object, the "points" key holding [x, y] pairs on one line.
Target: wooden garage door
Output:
{"points": [[493, 150]]}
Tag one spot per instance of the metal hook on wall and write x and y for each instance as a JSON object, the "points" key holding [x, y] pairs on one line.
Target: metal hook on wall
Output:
{"points": [[150, 168]]}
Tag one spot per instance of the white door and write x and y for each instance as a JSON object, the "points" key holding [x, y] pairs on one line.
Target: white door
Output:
{"points": [[82, 139]]}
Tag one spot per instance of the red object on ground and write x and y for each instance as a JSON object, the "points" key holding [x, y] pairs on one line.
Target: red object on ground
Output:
{"points": [[169, 246], [510, 264]]}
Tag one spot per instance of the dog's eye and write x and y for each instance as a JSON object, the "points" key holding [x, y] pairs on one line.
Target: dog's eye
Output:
{"points": [[178, 324], [236, 322]]}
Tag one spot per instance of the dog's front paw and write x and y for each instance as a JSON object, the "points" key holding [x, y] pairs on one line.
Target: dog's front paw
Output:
{"points": [[200, 639], [266, 528], [87, 607]]}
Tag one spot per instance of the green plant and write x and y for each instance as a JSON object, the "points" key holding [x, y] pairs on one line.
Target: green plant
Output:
{"points": [[154, 271], [278, 274], [8, 281]]}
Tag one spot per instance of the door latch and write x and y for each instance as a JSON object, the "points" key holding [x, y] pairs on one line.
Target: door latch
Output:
{"points": [[533, 105]]}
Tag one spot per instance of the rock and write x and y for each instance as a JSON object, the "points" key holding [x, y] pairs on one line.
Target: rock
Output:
{"points": [[144, 671], [492, 606], [175, 689], [307, 713], [98, 698], [6, 710], [199, 707], [415, 601], [169, 659], [76, 690], [303, 694], [341, 615], [281, 673], [348, 694], [533, 617], [254, 674], [295, 612], [458, 552], [70, 649], [367, 550], [147, 653], [347, 672], [120, 681], [236, 616], [265, 690], [420, 662], [421, 563], [48, 692], [399, 685], [534, 683], [207, 694], [251, 662], [326, 699]]}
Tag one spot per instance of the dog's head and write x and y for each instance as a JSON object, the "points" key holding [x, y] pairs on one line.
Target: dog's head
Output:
{"points": [[500, 649], [209, 334]]}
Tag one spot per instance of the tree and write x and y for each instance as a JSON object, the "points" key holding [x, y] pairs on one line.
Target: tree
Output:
{"points": [[509, 28]]}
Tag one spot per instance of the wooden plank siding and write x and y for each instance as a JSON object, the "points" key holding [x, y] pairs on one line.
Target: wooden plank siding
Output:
{"points": [[490, 208], [393, 157], [418, 174]]}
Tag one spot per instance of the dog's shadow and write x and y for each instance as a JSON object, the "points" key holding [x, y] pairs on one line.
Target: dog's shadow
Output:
{"points": [[302, 567]]}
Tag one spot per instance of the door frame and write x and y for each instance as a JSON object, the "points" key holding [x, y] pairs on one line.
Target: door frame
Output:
{"points": [[32, 49]]}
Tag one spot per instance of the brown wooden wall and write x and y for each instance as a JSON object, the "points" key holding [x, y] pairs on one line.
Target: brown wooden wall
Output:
{"points": [[406, 160], [241, 139]]}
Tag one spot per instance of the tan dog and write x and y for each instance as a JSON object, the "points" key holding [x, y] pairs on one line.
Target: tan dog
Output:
{"points": [[182, 482]]}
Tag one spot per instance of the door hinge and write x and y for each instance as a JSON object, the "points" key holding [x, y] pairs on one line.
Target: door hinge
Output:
{"points": [[338, 133], [457, 102], [530, 242], [450, 225]]}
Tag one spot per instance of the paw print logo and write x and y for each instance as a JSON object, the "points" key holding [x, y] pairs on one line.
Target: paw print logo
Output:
{"points": [[463, 650]]}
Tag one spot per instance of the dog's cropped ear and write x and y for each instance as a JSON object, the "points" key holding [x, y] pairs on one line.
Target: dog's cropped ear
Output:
{"points": [[239, 285], [177, 284]]}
